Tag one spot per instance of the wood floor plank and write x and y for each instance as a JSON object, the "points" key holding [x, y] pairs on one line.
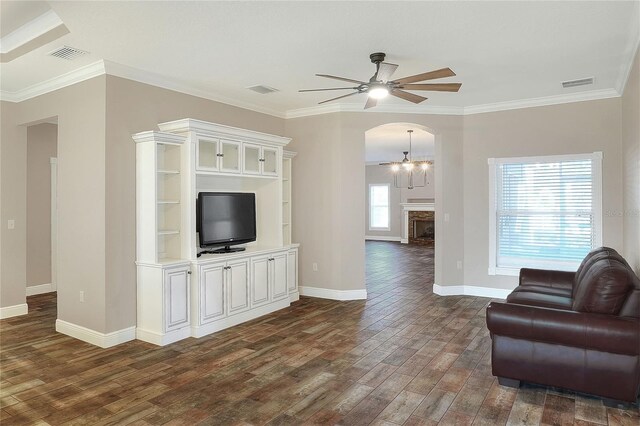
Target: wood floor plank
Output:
{"points": [[403, 356]]}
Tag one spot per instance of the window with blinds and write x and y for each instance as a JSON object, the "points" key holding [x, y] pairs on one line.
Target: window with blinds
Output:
{"points": [[379, 207], [546, 212]]}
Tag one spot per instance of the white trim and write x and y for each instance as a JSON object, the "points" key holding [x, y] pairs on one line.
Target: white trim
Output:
{"points": [[14, 311], [391, 108], [147, 77], [78, 75], [597, 155], [326, 293], [29, 31], [625, 72], [381, 238], [39, 289], [53, 161], [104, 340], [162, 339], [591, 95], [221, 131], [239, 318], [470, 290]]}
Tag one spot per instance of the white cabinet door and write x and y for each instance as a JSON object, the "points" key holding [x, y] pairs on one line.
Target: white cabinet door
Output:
{"points": [[176, 298], [212, 292], [279, 275], [237, 279], [230, 158], [292, 271], [270, 161], [251, 159], [208, 154], [259, 281]]}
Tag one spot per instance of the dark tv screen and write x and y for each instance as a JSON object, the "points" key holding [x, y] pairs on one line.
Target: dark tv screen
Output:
{"points": [[226, 218]]}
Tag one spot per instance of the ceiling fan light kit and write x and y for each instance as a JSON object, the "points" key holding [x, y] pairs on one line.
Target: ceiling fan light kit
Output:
{"points": [[379, 86]]}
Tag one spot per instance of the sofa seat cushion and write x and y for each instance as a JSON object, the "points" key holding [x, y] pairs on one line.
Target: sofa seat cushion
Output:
{"points": [[555, 291], [544, 300]]}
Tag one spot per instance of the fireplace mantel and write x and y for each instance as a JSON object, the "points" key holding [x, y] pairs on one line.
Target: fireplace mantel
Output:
{"points": [[412, 207]]}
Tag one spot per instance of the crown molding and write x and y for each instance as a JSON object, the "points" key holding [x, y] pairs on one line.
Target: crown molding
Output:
{"points": [[591, 95], [29, 31], [631, 55], [72, 77], [146, 77], [106, 67], [388, 109]]}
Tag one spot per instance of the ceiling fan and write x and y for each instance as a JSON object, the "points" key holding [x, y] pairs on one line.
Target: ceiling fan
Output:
{"points": [[379, 85]]}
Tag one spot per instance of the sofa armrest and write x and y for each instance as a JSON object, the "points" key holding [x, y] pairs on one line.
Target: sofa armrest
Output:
{"points": [[606, 333], [545, 278]]}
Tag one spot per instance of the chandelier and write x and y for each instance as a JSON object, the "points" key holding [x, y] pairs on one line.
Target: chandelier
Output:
{"points": [[415, 171]]}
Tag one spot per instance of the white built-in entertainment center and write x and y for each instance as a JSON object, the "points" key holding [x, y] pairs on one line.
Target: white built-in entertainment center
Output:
{"points": [[180, 294]]}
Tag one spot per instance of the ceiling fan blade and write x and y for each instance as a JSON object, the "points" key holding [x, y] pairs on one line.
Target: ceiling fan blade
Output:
{"points": [[339, 97], [371, 102], [332, 88], [441, 87], [416, 99], [340, 78], [385, 71], [441, 73]]}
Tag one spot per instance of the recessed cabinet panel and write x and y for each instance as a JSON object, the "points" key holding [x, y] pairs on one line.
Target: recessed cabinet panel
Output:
{"points": [[212, 292], [260, 281], [279, 276], [230, 159], [292, 272], [238, 286], [270, 161], [207, 154], [176, 298], [251, 159]]}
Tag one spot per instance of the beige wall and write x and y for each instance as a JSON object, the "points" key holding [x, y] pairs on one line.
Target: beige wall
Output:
{"points": [[42, 145], [133, 107], [81, 170], [329, 203], [579, 127], [380, 175], [631, 155]]}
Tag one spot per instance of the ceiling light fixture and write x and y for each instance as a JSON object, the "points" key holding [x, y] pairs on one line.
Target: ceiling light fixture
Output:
{"points": [[412, 169], [378, 91]]}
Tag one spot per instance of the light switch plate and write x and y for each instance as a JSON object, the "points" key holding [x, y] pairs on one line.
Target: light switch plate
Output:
{"points": [[11, 224]]}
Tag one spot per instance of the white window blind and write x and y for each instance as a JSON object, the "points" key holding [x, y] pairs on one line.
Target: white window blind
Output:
{"points": [[546, 212], [379, 207]]}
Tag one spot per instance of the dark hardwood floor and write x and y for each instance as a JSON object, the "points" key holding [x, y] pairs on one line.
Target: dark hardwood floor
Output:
{"points": [[405, 356]]}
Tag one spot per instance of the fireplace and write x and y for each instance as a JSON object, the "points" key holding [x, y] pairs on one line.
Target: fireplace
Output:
{"points": [[422, 228]]}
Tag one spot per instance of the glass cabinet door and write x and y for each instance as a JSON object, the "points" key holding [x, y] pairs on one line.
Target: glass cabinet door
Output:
{"points": [[207, 154], [270, 161], [230, 159], [251, 159]]}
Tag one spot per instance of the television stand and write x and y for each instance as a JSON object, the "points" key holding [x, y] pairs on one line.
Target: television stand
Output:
{"points": [[225, 249]]}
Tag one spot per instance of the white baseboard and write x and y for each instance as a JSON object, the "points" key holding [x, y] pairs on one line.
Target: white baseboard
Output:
{"points": [[13, 311], [162, 339], [39, 289], [294, 297], [404, 241], [378, 238], [104, 340], [325, 293], [470, 290]]}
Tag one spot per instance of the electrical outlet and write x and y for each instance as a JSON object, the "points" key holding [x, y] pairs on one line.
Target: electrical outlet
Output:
{"points": [[82, 296], [315, 267], [459, 264], [447, 217], [11, 224]]}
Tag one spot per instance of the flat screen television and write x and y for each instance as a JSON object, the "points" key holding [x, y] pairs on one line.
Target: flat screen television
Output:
{"points": [[225, 219]]}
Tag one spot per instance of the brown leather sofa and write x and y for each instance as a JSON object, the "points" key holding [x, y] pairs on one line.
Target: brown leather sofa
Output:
{"points": [[579, 331]]}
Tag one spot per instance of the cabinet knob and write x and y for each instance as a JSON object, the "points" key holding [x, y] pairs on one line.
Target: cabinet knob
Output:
{"points": [[260, 159], [189, 272], [271, 259], [219, 155], [227, 267]]}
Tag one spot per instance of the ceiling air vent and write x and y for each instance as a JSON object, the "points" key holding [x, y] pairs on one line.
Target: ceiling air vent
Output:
{"points": [[580, 82], [263, 90], [69, 53]]}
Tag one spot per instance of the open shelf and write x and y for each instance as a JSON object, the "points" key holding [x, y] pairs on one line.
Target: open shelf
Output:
{"points": [[168, 201], [168, 172], [168, 232]]}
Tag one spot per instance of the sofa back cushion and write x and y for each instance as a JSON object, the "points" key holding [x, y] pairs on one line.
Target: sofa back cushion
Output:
{"points": [[603, 284]]}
